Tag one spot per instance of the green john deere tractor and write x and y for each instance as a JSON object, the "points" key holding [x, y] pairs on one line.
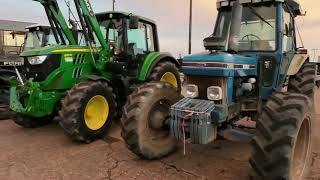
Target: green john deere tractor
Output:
{"points": [[85, 86]]}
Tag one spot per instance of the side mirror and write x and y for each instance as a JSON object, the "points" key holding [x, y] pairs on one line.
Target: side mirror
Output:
{"points": [[236, 17], [134, 22]]}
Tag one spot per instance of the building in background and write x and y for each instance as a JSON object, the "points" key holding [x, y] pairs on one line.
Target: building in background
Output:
{"points": [[12, 35]]}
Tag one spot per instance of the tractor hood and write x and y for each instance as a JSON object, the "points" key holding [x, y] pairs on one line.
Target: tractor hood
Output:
{"points": [[57, 49], [219, 64]]}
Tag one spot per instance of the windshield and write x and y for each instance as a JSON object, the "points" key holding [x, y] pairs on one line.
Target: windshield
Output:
{"points": [[33, 40], [38, 39], [51, 40], [258, 29]]}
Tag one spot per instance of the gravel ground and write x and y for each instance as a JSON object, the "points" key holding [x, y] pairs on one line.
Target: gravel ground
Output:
{"points": [[46, 153]]}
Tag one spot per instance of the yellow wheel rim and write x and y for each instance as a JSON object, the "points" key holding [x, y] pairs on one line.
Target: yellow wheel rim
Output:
{"points": [[96, 112], [170, 78]]}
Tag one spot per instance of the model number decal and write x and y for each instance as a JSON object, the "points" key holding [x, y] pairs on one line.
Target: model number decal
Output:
{"points": [[89, 7]]}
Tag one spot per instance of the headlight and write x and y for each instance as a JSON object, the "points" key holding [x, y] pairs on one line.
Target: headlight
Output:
{"points": [[214, 93], [192, 91], [35, 60]]}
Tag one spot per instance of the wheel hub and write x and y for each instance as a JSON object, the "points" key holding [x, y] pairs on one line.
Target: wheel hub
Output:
{"points": [[96, 112], [159, 115], [301, 150]]}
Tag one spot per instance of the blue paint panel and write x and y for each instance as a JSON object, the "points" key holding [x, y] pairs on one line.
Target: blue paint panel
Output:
{"points": [[245, 72], [266, 92], [220, 57], [249, 58], [230, 89], [218, 72]]}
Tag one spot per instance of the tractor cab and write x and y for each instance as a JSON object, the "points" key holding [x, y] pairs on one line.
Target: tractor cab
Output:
{"points": [[247, 36], [254, 27], [130, 38], [38, 36]]}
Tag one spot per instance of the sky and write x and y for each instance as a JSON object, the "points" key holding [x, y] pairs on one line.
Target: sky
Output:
{"points": [[171, 17]]}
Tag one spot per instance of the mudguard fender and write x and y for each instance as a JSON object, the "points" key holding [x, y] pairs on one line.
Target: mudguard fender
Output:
{"points": [[297, 62]]}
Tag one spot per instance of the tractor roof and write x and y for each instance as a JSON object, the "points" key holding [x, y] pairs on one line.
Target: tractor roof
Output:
{"points": [[38, 26], [123, 14], [294, 4]]}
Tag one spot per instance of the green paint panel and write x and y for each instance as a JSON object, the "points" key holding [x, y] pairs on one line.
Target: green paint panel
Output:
{"points": [[147, 65], [36, 103]]}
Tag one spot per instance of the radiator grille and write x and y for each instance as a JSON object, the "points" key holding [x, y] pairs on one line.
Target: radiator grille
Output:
{"points": [[203, 82], [41, 71]]}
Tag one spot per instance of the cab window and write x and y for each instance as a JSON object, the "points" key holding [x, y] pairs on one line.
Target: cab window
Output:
{"points": [[137, 39], [150, 37], [141, 40], [288, 31]]}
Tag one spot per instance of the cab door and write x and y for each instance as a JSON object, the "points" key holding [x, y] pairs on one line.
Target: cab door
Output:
{"points": [[288, 43], [140, 43]]}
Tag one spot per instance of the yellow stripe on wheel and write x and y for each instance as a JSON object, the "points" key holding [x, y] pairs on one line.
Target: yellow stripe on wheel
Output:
{"points": [[170, 78]]}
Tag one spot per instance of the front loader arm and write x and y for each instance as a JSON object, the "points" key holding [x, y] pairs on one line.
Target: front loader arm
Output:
{"points": [[92, 23], [57, 22]]}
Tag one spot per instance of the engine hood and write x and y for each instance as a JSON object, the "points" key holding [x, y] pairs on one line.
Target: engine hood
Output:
{"points": [[219, 64], [57, 49]]}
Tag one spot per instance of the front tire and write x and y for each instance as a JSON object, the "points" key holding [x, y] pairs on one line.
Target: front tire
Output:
{"points": [[166, 72], [282, 141], [30, 122], [5, 112], [5, 76], [88, 110], [145, 121]]}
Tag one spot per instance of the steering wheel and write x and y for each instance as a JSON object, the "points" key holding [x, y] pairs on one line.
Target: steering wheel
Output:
{"points": [[248, 35]]}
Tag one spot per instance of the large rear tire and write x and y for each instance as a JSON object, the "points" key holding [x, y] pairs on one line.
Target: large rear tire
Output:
{"points": [[88, 110], [166, 72], [304, 81], [282, 141], [145, 120]]}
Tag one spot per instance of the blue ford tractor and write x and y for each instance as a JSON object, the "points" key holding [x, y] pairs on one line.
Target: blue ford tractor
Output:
{"points": [[253, 83]]}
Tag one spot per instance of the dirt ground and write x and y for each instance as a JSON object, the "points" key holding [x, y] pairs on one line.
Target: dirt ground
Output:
{"points": [[46, 153]]}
